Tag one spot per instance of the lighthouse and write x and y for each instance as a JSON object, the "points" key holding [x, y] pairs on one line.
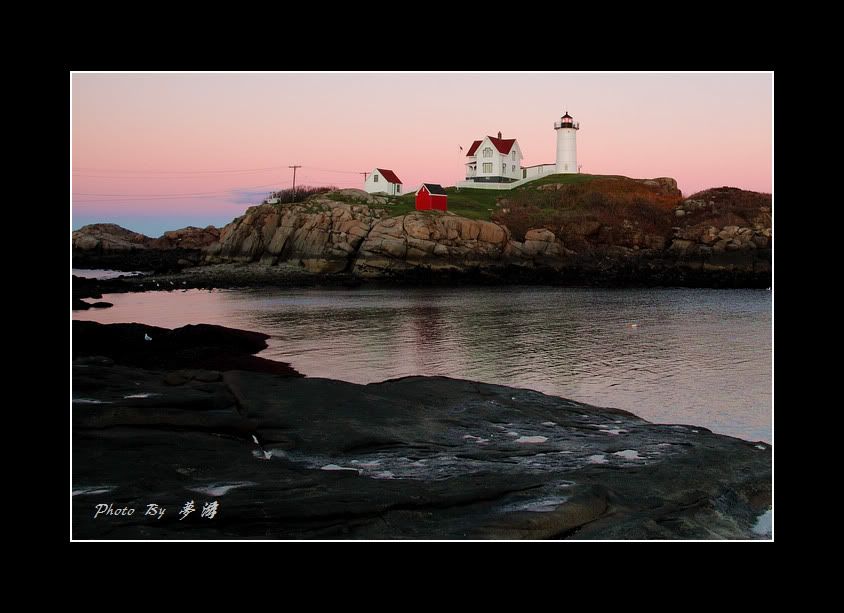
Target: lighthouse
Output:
{"points": [[566, 144]]}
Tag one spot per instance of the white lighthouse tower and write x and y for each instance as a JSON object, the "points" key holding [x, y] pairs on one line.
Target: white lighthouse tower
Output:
{"points": [[566, 144]]}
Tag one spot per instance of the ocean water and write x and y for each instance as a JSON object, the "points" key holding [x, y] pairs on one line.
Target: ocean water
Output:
{"points": [[690, 356]]}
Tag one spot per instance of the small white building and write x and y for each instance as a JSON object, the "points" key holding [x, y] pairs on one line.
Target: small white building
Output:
{"points": [[383, 180], [494, 160]]}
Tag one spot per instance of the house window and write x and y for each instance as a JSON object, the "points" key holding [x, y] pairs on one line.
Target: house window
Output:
{"points": [[504, 169], [514, 155], [487, 167], [488, 152], [513, 167], [398, 189], [375, 178]]}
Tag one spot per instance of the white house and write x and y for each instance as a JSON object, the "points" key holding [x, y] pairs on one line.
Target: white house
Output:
{"points": [[383, 180], [494, 160]]}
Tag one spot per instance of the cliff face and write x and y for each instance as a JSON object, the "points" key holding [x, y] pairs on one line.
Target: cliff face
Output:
{"points": [[322, 235], [327, 235]]}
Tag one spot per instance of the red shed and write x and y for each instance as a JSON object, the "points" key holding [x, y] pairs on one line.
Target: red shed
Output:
{"points": [[431, 196]]}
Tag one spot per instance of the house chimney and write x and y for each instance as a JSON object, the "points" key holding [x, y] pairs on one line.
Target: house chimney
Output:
{"points": [[499, 136]]}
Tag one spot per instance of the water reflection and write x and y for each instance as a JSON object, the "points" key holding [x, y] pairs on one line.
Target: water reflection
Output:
{"points": [[669, 355]]}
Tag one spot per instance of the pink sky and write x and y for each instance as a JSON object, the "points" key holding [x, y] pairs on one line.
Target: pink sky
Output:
{"points": [[140, 139]]}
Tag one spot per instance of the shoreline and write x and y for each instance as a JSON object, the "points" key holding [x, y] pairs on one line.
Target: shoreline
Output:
{"points": [[233, 276], [288, 456]]}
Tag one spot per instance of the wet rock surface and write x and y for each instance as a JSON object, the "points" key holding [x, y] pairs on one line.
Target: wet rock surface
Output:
{"points": [[419, 457]]}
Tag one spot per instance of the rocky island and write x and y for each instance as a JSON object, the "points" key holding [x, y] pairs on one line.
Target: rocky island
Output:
{"points": [[192, 417], [563, 229]]}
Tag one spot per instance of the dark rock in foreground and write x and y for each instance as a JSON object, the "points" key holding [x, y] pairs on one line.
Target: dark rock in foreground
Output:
{"points": [[197, 346], [413, 458]]}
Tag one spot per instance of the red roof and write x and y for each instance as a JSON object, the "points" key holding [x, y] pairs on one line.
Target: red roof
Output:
{"points": [[502, 144], [389, 175]]}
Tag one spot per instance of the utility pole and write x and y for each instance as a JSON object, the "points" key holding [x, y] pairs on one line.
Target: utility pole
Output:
{"points": [[364, 175], [294, 181]]}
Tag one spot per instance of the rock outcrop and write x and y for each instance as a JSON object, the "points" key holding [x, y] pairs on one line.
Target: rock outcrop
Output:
{"points": [[413, 458], [321, 234], [193, 346], [431, 241], [112, 246], [719, 238], [105, 237]]}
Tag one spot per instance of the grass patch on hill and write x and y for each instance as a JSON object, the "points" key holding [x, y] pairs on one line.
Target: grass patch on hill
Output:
{"points": [[605, 200], [608, 199], [470, 203], [568, 179]]}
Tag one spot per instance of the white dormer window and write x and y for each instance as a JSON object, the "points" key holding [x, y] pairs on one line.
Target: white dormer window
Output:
{"points": [[375, 178], [488, 152]]}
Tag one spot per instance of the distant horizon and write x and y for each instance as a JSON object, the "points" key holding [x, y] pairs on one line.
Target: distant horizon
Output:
{"points": [[159, 151]]}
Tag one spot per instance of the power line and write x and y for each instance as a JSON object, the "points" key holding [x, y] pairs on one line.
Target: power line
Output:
{"points": [[82, 171], [225, 191], [169, 172]]}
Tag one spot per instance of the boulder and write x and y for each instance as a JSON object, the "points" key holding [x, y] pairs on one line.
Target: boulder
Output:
{"points": [[540, 234]]}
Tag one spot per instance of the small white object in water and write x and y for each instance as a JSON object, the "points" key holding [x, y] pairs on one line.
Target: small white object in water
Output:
{"points": [[634, 325], [384, 475], [147, 337], [762, 447], [597, 459], [141, 395], [89, 401], [255, 438], [628, 454], [616, 432], [549, 423], [531, 439]]}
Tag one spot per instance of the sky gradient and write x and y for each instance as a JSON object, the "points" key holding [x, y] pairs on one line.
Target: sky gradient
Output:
{"points": [[156, 152]]}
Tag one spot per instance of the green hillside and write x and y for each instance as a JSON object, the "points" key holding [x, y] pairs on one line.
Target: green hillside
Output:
{"points": [[480, 203]]}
